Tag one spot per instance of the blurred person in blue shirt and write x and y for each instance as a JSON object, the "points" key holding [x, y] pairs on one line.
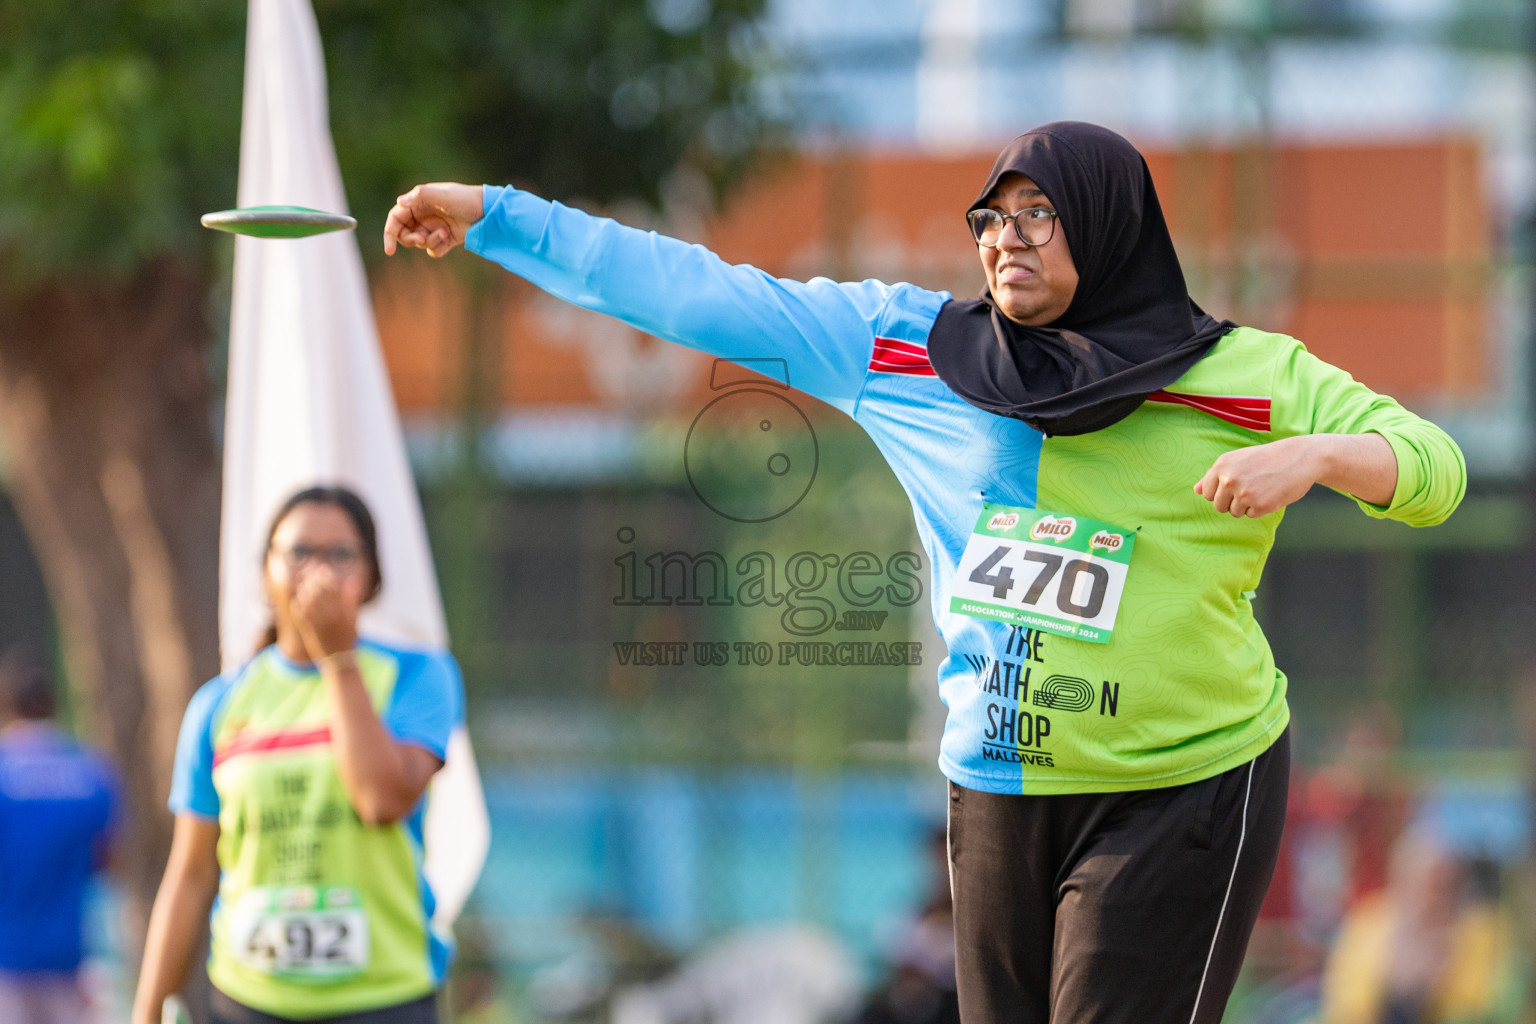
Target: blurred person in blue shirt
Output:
{"points": [[58, 804]]}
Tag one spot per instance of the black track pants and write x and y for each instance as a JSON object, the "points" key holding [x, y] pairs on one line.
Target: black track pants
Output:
{"points": [[1113, 908], [421, 1011]]}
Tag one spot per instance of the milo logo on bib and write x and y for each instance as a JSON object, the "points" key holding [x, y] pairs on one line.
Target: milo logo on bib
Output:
{"points": [[1053, 528], [1105, 541], [1003, 521]]}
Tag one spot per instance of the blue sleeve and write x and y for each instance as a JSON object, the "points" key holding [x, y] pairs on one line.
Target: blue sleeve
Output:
{"points": [[427, 702], [192, 789], [110, 826], [112, 799], [824, 331]]}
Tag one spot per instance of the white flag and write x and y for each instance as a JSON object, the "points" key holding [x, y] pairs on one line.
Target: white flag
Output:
{"points": [[309, 402]]}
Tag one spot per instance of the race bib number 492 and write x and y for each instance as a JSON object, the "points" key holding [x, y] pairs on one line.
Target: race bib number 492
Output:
{"points": [[1058, 573], [301, 931]]}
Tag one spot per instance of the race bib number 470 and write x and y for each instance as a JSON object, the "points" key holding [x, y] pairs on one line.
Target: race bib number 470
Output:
{"points": [[1058, 573], [301, 931]]}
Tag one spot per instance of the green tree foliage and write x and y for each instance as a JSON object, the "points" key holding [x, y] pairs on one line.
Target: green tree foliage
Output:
{"points": [[121, 118], [121, 125], [595, 99]]}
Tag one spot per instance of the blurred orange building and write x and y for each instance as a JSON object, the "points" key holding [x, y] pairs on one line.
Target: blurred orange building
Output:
{"points": [[1377, 256]]}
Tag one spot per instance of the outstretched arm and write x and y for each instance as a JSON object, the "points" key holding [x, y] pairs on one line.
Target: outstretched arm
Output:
{"points": [[824, 332]]}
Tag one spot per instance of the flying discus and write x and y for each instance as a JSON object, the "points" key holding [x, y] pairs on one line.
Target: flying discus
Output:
{"points": [[278, 221]]}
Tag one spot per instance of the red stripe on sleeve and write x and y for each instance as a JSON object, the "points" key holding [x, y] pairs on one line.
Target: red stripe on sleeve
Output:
{"points": [[892, 356], [1245, 411]]}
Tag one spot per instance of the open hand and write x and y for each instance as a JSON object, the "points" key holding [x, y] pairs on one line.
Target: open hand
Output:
{"points": [[433, 217]]}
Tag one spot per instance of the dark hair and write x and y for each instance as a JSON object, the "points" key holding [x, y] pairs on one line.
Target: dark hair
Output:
{"points": [[362, 520], [26, 691]]}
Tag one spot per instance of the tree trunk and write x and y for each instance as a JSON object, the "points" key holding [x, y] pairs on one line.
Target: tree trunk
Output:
{"points": [[105, 408]]}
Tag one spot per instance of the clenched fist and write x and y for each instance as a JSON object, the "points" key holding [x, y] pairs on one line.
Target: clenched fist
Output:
{"points": [[433, 217], [1256, 481]]}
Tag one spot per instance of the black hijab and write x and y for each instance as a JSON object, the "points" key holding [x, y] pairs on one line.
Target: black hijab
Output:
{"points": [[1131, 327]]}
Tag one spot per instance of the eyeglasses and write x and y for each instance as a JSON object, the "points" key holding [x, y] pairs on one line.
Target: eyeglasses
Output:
{"points": [[1034, 226], [340, 558]]}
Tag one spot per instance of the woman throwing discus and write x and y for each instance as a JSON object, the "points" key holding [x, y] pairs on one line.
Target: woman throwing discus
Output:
{"points": [[1097, 469], [298, 799]]}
